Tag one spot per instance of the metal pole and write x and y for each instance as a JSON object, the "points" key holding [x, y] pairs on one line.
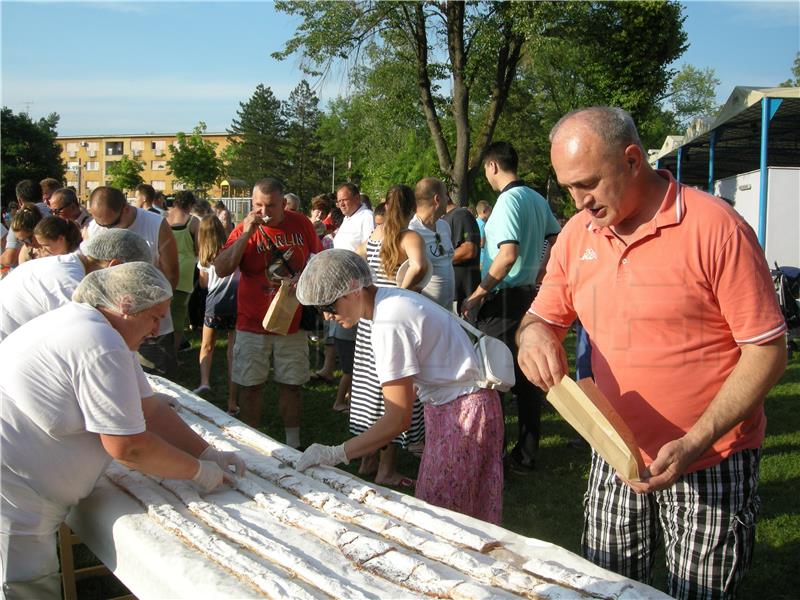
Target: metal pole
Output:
{"points": [[711, 147], [333, 175], [762, 192], [678, 166]]}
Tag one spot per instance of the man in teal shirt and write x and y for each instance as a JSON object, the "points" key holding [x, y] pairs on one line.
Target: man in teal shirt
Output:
{"points": [[515, 237]]}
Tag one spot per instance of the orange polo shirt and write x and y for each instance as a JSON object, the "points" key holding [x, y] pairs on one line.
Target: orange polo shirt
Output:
{"points": [[666, 313]]}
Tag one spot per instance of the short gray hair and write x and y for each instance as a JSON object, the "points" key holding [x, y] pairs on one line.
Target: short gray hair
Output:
{"points": [[613, 125], [292, 201], [117, 244], [126, 289], [269, 185]]}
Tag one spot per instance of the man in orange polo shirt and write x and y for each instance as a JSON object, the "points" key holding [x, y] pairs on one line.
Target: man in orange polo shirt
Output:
{"points": [[687, 339]]}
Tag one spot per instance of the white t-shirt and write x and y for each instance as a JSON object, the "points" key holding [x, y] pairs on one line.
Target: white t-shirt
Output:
{"points": [[36, 287], [355, 229], [413, 337], [439, 246], [147, 225], [68, 376]]}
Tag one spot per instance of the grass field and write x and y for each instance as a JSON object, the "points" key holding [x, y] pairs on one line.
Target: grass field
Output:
{"points": [[547, 504]]}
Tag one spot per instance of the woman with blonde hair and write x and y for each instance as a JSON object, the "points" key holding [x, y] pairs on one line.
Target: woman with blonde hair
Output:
{"points": [[220, 313], [56, 235], [387, 249]]}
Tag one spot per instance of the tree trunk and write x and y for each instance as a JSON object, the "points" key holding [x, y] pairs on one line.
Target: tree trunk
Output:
{"points": [[507, 62], [424, 85], [460, 106]]}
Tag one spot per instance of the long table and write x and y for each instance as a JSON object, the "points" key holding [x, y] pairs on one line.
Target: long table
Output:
{"points": [[324, 533]]}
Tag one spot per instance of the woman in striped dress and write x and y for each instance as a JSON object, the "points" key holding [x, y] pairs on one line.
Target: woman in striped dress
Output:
{"points": [[387, 248]]}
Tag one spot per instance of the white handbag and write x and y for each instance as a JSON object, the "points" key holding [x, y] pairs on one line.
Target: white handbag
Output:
{"points": [[494, 358]]}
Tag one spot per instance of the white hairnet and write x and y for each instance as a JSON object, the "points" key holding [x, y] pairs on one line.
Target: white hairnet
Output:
{"points": [[117, 244], [128, 288], [330, 275]]}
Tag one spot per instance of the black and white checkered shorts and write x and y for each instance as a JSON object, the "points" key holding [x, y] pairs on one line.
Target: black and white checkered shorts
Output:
{"points": [[706, 519]]}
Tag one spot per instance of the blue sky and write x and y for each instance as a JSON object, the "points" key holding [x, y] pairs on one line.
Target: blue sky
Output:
{"points": [[135, 67]]}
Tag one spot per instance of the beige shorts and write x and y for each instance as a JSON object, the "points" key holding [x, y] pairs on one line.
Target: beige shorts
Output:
{"points": [[252, 352]]}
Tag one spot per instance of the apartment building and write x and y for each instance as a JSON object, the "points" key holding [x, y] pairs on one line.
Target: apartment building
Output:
{"points": [[88, 158]]}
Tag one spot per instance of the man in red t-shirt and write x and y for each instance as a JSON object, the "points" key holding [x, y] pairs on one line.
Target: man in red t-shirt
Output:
{"points": [[687, 339], [269, 245]]}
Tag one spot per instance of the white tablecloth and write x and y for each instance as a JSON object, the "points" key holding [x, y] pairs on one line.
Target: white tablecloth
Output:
{"points": [[154, 563]]}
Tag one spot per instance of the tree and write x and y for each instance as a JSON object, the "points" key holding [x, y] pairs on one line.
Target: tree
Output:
{"points": [[124, 174], [194, 160], [581, 54], [29, 150], [257, 138], [305, 166], [479, 41], [601, 53], [692, 94], [795, 73]]}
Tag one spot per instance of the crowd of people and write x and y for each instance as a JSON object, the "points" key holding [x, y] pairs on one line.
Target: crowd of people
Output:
{"points": [[669, 284]]}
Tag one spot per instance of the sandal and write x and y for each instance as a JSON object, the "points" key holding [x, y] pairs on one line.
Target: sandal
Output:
{"points": [[404, 482], [317, 376], [203, 389]]}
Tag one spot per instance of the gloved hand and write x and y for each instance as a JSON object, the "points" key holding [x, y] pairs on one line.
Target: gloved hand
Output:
{"points": [[209, 476], [317, 454], [225, 460]]}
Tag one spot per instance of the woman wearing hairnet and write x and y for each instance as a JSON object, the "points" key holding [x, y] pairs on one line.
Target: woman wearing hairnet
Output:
{"points": [[420, 350], [74, 397]]}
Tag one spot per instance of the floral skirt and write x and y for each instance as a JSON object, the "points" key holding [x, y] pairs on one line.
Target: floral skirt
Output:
{"points": [[462, 466]]}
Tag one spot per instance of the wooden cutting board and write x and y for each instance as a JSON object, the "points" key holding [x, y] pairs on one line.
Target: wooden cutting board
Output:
{"points": [[584, 406]]}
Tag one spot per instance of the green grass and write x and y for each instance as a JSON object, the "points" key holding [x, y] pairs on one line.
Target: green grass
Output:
{"points": [[547, 504]]}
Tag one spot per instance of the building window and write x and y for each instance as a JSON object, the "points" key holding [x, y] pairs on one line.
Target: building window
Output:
{"points": [[114, 148], [137, 147], [177, 186], [90, 185], [92, 148], [92, 165], [158, 185], [158, 147], [73, 165], [109, 163], [72, 149], [158, 165]]}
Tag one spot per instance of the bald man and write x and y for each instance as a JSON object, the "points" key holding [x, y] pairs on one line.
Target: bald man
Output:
{"points": [[431, 196], [687, 339]]}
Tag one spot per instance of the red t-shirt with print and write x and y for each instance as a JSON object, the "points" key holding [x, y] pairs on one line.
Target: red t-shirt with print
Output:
{"points": [[261, 266]]}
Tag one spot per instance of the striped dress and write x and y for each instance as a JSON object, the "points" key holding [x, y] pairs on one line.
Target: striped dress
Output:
{"points": [[366, 399]]}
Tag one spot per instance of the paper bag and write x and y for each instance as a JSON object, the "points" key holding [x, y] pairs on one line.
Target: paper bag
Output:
{"points": [[585, 407], [281, 311]]}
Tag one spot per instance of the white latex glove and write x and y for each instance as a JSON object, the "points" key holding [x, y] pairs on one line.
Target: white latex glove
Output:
{"points": [[317, 454], [225, 460], [209, 476]]}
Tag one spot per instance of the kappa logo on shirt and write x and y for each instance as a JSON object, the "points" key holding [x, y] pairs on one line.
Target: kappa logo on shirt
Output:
{"points": [[589, 254]]}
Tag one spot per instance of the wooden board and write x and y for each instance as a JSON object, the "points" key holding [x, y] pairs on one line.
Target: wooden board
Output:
{"points": [[584, 406]]}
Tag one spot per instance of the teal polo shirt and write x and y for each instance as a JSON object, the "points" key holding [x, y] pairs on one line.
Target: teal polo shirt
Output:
{"points": [[520, 216]]}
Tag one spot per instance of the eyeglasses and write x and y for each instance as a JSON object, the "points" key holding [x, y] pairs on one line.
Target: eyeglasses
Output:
{"points": [[114, 223], [327, 308], [436, 248], [57, 211]]}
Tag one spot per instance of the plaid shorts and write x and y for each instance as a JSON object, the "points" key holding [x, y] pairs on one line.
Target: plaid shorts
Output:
{"points": [[706, 519]]}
